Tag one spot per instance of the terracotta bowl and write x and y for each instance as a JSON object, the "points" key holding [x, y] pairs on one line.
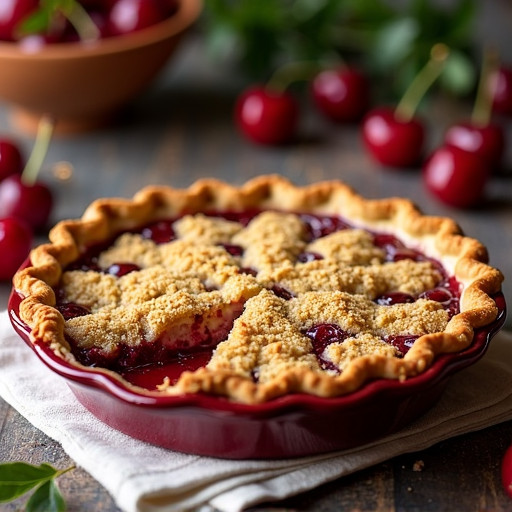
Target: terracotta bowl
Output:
{"points": [[85, 85]]}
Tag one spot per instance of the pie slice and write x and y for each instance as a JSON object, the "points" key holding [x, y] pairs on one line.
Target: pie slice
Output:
{"points": [[259, 291]]}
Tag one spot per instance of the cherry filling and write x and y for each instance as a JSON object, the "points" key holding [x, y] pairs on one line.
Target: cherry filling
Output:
{"points": [[322, 335], [306, 257], [395, 250], [121, 269], [402, 343], [234, 250], [282, 292], [189, 346], [389, 299], [159, 232], [71, 310], [319, 226]]}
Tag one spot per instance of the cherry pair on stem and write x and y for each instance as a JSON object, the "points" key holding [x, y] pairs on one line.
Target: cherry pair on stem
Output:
{"points": [[456, 172], [25, 202]]}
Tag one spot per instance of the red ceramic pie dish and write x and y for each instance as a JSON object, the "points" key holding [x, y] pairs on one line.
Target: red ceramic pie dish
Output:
{"points": [[289, 426]]}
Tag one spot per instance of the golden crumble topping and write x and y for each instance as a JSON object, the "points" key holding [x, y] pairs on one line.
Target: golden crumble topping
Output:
{"points": [[256, 303]]}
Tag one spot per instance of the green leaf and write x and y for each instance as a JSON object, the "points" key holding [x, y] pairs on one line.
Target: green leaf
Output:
{"points": [[459, 74], [394, 42], [16, 478], [47, 498]]}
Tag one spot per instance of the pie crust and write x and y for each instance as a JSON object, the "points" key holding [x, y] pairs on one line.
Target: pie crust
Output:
{"points": [[265, 318]]}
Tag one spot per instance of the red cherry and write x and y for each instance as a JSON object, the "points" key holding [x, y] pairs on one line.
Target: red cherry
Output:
{"points": [[506, 471], [15, 243], [500, 89], [30, 203], [391, 141], [128, 16], [12, 12], [266, 116], [455, 176], [341, 94], [486, 141], [11, 159]]}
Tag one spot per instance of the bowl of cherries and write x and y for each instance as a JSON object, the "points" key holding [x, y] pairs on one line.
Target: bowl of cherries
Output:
{"points": [[82, 61]]}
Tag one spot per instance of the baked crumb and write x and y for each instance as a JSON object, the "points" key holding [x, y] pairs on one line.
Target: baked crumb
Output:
{"points": [[196, 277]]}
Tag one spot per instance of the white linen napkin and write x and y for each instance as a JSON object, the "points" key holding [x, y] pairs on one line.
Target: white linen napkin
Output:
{"points": [[145, 478]]}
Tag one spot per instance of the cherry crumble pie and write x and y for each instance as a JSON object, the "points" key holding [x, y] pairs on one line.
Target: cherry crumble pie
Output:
{"points": [[257, 291]]}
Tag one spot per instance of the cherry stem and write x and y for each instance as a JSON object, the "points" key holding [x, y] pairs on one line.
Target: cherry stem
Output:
{"points": [[482, 110], [82, 22], [290, 73], [410, 101], [39, 151]]}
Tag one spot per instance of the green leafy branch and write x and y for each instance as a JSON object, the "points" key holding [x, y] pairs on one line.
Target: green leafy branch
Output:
{"points": [[392, 43], [17, 478]]}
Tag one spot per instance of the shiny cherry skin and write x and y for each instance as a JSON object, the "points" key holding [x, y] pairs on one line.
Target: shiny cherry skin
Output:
{"points": [[11, 159], [12, 12], [500, 89], [15, 244], [127, 16], [455, 176], [342, 95], [391, 141], [30, 203], [267, 117], [487, 141]]}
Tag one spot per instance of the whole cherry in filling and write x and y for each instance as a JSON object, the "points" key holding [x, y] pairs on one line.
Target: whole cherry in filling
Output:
{"points": [[322, 335]]}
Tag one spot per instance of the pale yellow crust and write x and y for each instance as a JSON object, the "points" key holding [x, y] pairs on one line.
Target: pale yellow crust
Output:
{"points": [[439, 238]]}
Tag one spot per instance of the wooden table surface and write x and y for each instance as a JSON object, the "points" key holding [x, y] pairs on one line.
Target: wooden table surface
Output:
{"points": [[182, 130]]}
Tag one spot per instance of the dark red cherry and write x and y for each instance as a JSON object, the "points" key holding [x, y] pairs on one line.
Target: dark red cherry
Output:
{"points": [[500, 89], [267, 117], [71, 310], [387, 242], [234, 250], [342, 95], [30, 203], [12, 13], [121, 269], [391, 298], [15, 244], [486, 141], [127, 16], [160, 232], [11, 159], [456, 177], [405, 254], [441, 295], [322, 335], [306, 257], [322, 226], [282, 292], [391, 141], [402, 343]]}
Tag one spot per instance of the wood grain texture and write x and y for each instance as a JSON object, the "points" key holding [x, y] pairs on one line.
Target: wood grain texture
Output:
{"points": [[461, 474]]}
